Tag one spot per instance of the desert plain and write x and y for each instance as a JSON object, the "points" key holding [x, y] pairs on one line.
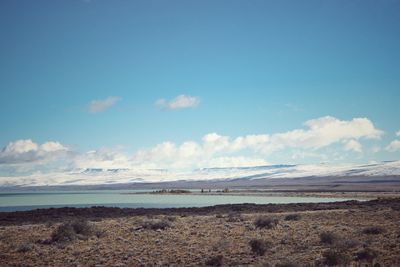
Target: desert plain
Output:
{"points": [[349, 233]]}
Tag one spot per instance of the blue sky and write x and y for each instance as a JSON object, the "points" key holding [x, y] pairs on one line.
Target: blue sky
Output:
{"points": [[253, 68]]}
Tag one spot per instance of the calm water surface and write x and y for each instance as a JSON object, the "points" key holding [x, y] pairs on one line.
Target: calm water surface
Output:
{"points": [[121, 198]]}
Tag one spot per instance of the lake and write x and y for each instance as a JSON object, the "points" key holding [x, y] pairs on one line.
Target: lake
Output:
{"points": [[19, 201]]}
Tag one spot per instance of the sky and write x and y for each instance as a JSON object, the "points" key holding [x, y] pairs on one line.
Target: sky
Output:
{"points": [[194, 84]]}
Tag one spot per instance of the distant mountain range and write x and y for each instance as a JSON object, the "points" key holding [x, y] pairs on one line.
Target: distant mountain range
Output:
{"points": [[98, 176]]}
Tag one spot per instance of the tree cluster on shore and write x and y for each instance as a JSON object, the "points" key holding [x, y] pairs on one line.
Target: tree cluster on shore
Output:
{"points": [[172, 191]]}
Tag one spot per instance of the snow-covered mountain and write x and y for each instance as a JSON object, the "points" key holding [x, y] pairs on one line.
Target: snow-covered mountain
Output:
{"points": [[99, 176]]}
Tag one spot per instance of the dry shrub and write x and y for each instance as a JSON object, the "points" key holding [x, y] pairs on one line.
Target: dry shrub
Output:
{"points": [[292, 217], [234, 217], [156, 224], [26, 247], [63, 233], [328, 238], [171, 218], [286, 263], [259, 246], [347, 243], [265, 222], [366, 254], [335, 257], [373, 230], [215, 261], [70, 231], [82, 227]]}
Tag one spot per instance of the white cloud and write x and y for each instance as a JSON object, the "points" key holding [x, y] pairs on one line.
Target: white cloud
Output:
{"points": [[394, 146], [179, 102], [353, 145], [24, 151], [236, 162], [250, 141], [214, 142], [20, 147], [52, 147], [103, 158], [101, 105], [300, 155], [319, 133], [376, 149], [211, 151], [323, 132], [398, 133], [53, 163]]}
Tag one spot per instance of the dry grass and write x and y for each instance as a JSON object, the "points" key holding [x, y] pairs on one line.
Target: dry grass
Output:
{"points": [[196, 240]]}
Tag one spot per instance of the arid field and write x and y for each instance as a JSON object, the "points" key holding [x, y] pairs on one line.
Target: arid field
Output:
{"points": [[345, 234]]}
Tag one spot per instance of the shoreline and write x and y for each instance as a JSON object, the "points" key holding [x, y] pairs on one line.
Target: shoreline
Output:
{"points": [[344, 196], [357, 195]]}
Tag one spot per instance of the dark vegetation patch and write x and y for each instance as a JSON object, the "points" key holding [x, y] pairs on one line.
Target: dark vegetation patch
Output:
{"points": [[335, 257], [286, 263], [234, 217], [26, 247], [328, 238], [70, 231], [170, 218], [215, 261], [373, 230], [366, 254], [156, 224], [266, 222], [292, 217], [171, 191], [221, 245], [259, 246], [347, 243]]}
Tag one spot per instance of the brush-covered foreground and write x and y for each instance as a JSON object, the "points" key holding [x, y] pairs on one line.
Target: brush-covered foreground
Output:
{"points": [[366, 235]]}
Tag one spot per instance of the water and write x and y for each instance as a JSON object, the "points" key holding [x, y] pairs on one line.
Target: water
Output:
{"points": [[122, 198]]}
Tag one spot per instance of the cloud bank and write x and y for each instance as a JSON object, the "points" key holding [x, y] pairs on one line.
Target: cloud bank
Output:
{"points": [[213, 150], [319, 133]]}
